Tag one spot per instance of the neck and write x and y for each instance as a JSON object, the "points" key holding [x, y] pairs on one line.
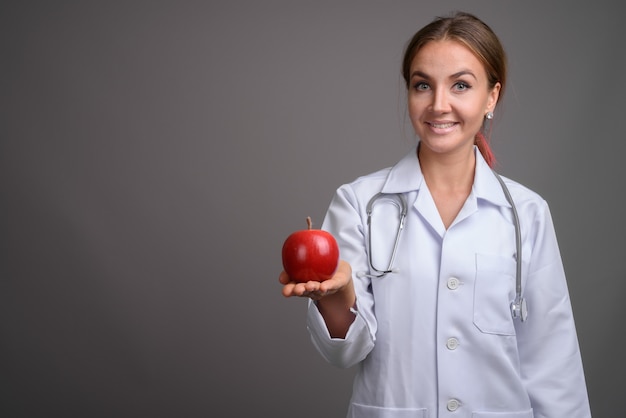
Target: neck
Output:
{"points": [[449, 172]]}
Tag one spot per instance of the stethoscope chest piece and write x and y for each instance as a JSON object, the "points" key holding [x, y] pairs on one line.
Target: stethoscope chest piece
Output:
{"points": [[519, 309]]}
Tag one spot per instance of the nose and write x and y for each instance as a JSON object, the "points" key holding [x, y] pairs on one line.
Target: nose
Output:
{"points": [[440, 103]]}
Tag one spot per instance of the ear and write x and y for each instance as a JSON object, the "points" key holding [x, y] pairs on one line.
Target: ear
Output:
{"points": [[492, 100]]}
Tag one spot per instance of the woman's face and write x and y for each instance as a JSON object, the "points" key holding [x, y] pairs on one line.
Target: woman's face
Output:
{"points": [[448, 97]]}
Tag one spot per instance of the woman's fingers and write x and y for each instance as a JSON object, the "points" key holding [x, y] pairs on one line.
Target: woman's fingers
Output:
{"points": [[317, 290], [283, 278], [308, 289]]}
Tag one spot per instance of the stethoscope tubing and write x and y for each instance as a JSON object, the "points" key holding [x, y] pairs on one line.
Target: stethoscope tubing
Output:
{"points": [[399, 200], [518, 306]]}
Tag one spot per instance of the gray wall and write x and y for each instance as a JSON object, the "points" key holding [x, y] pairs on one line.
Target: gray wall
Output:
{"points": [[154, 156]]}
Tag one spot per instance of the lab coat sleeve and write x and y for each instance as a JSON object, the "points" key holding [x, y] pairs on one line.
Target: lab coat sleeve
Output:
{"points": [[550, 358], [341, 352], [344, 222]]}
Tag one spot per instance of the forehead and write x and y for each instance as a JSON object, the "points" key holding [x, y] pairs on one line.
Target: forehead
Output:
{"points": [[446, 56]]}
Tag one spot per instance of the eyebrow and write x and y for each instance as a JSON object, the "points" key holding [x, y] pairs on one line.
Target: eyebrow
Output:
{"points": [[453, 76]]}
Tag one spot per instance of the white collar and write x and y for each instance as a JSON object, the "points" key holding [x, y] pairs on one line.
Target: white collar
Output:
{"points": [[407, 176]]}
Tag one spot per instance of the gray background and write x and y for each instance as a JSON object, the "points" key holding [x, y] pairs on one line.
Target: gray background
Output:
{"points": [[154, 156]]}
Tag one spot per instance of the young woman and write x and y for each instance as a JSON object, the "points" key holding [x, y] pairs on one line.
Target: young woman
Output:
{"points": [[440, 324]]}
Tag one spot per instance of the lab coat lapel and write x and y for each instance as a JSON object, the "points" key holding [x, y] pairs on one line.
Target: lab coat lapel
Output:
{"points": [[469, 207], [406, 176], [486, 185], [425, 206]]}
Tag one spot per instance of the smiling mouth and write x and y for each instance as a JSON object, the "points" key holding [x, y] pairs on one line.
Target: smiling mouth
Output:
{"points": [[442, 125]]}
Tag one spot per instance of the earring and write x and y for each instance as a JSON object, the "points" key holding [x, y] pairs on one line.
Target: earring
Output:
{"points": [[489, 115]]}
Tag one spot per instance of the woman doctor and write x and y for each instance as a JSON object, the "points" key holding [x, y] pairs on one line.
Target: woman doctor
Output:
{"points": [[435, 337]]}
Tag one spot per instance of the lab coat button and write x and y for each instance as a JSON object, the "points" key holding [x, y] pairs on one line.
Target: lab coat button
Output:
{"points": [[453, 283], [453, 405], [452, 343]]}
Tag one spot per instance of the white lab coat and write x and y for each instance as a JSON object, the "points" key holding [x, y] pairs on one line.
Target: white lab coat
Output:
{"points": [[436, 338]]}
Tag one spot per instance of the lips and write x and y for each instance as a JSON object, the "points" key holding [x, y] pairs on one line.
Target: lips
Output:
{"points": [[442, 125]]}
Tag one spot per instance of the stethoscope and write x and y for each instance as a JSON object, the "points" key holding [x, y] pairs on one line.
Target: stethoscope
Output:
{"points": [[518, 306]]}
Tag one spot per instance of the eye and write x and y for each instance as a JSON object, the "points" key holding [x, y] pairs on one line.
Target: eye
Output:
{"points": [[420, 86], [461, 86]]}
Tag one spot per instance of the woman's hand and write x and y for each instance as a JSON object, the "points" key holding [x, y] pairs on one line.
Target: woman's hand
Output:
{"points": [[317, 290], [335, 297]]}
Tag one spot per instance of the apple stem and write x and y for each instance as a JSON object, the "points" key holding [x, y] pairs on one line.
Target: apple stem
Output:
{"points": [[309, 222]]}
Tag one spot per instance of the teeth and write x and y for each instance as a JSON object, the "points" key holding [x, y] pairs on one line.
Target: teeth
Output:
{"points": [[442, 125]]}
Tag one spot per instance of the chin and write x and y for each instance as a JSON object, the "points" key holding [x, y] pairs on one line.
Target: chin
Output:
{"points": [[445, 146]]}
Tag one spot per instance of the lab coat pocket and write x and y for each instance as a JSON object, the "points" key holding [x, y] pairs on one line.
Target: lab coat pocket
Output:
{"points": [[367, 411], [494, 290], [523, 414]]}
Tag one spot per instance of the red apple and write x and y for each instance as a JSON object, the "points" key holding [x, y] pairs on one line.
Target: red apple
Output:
{"points": [[310, 255]]}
